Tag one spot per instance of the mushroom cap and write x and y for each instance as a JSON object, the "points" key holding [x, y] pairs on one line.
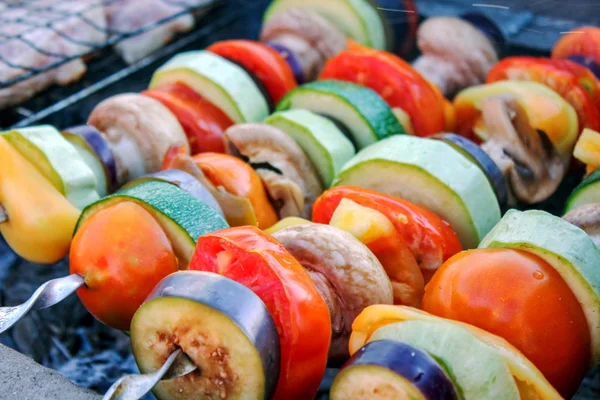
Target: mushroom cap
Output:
{"points": [[586, 217], [455, 50], [526, 156], [345, 272], [296, 188], [311, 37], [137, 126]]}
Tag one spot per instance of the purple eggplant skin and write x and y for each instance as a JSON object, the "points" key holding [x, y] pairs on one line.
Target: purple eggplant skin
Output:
{"points": [[184, 181], [236, 301], [102, 149], [416, 366], [587, 62], [488, 27], [291, 59], [483, 161]]}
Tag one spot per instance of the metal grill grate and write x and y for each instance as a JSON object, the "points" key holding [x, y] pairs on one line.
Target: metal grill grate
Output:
{"points": [[30, 30]]}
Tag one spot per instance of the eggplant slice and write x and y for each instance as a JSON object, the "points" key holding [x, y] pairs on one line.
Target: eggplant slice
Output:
{"points": [[287, 173]]}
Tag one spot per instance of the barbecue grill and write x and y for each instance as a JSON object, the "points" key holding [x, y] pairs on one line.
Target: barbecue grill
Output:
{"points": [[67, 338]]}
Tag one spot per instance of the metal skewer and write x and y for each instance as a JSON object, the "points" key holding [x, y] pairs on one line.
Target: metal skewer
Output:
{"points": [[133, 387], [46, 295]]}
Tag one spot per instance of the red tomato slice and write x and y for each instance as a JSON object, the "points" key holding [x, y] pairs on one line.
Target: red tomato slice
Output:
{"points": [[264, 62], [256, 260], [202, 121], [520, 297], [430, 238], [395, 81], [556, 75]]}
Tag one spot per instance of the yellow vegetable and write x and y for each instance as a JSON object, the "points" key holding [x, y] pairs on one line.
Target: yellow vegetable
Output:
{"points": [[40, 219], [547, 111], [285, 223], [587, 149]]}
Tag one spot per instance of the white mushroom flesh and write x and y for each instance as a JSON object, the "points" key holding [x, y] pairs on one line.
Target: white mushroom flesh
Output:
{"points": [[345, 272], [586, 217]]}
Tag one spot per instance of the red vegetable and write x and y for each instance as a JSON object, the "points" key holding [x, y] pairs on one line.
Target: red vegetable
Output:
{"points": [[431, 239], [202, 121], [256, 260], [263, 61]]}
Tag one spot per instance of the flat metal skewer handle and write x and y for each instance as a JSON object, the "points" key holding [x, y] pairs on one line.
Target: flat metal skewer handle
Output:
{"points": [[46, 295], [134, 387]]}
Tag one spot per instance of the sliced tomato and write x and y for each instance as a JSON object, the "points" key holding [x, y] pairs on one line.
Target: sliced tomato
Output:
{"points": [[238, 178], [202, 121], [584, 41], [430, 238], [556, 74], [395, 81], [263, 61], [254, 259], [520, 297]]}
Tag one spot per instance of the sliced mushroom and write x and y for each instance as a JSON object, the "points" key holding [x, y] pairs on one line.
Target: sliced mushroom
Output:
{"points": [[526, 157], [345, 272], [140, 131], [288, 175], [311, 37], [586, 217], [456, 55], [237, 209]]}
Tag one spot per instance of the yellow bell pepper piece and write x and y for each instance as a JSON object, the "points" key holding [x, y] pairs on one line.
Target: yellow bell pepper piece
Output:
{"points": [[40, 219], [546, 110], [587, 149], [530, 381]]}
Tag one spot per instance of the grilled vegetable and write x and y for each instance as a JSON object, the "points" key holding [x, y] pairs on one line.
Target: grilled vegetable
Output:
{"points": [[358, 19], [431, 174], [587, 149], [202, 121], [546, 111], [463, 349], [293, 61], [222, 326], [587, 192], [259, 262], [262, 61], [365, 115], [553, 74], [489, 167], [377, 232], [346, 274], [102, 160], [543, 313], [430, 239], [219, 81], [40, 220], [403, 88], [388, 369], [126, 243], [289, 177], [580, 46], [57, 160], [140, 131], [587, 218], [324, 144], [566, 248]]}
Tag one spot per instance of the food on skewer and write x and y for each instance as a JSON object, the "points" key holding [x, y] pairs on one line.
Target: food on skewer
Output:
{"points": [[222, 326], [580, 46], [139, 130], [432, 174], [125, 243], [259, 262], [587, 150], [481, 365], [361, 111], [400, 369], [346, 274], [288, 176]]}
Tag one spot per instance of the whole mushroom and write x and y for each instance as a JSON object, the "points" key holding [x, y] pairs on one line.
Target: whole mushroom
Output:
{"points": [[308, 35], [527, 158], [346, 273], [140, 131], [287, 173], [456, 55], [586, 217]]}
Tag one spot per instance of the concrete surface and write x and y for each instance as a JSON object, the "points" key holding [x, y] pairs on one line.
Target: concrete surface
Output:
{"points": [[21, 378]]}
